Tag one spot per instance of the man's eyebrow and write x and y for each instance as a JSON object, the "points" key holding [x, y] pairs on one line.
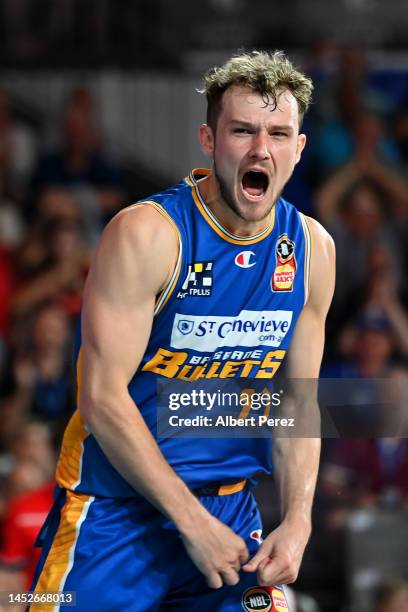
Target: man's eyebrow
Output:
{"points": [[277, 126], [248, 124], [243, 123]]}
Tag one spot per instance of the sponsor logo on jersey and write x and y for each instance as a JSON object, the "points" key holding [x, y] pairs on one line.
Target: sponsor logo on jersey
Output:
{"points": [[256, 535], [199, 280], [245, 259], [250, 328], [285, 270], [257, 599], [233, 363], [279, 600]]}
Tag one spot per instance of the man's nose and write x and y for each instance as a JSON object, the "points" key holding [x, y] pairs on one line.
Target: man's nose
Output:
{"points": [[260, 146]]}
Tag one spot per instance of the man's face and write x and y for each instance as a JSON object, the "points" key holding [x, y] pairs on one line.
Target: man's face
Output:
{"points": [[255, 149]]}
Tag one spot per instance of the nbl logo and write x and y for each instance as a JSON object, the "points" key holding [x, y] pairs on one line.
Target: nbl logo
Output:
{"points": [[264, 599], [256, 599]]}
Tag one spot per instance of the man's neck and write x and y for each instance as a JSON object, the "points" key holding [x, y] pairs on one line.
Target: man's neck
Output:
{"points": [[210, 192]]}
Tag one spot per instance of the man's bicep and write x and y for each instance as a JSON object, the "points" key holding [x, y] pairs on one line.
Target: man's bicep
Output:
{"points": [[126, 275], [114, 337]]}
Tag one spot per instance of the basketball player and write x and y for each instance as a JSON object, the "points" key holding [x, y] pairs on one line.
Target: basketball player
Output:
{"points": [[142, 523]]}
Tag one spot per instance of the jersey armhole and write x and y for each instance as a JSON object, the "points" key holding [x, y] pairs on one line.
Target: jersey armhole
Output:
{"points": [[308, 255], [164, 295]]}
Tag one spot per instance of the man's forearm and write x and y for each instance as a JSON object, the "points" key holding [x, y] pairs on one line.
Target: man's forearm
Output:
{"points": [[296, 463], [129, 445]]}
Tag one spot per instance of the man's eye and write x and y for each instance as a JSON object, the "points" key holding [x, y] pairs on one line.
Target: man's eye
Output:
{"points": [[280, 134], [241, 131]]}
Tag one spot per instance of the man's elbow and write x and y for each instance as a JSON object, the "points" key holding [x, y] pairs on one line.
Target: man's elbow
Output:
{"points": [[95, 405]]}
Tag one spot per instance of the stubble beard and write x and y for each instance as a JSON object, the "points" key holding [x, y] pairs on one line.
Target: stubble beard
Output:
{"points": [[229, 199]]}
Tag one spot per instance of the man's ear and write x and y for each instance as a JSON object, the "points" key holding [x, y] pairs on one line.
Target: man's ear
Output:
{"points": [[301, 143], [206, 136]]}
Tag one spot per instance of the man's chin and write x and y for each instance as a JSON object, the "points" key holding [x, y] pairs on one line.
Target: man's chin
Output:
{"points": [[255, 212]]}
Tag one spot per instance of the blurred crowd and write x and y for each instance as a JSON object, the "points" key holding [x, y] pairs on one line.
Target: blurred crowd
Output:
{"points": [[54, 202]]}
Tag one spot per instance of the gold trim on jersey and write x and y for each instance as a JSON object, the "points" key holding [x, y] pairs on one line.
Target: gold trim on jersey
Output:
{"points": [[233, 488], [212, 220], [308, 254], [60, 558], [164, 295], [69, 465], [197, 175]]}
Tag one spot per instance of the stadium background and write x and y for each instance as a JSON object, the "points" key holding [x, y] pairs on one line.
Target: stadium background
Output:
{"points": [[98, 107]]}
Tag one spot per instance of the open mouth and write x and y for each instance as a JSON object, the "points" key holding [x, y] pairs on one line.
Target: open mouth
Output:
{"points": [[255, 183]]}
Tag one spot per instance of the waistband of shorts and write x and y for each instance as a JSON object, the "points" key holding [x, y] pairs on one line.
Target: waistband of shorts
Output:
{"points": [[216, 488]]}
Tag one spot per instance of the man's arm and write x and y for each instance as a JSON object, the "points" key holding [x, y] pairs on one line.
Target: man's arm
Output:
{"points": [[297, 459], [135, 259]]}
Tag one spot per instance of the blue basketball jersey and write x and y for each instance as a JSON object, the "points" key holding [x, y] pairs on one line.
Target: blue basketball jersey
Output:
{"points": [[228, 312]]}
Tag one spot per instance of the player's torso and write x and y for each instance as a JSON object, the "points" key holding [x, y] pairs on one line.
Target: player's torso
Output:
{"points": [[234, 308], [230, 312]]}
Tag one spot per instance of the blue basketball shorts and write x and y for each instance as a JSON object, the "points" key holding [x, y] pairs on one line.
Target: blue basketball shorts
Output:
{"points": [[122, 555]]}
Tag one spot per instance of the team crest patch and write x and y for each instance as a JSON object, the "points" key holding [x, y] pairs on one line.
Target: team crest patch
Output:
{"points": [[279, 600], [285, 269], [199, 280]]}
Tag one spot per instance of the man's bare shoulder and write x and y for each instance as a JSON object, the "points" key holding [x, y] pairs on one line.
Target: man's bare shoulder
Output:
{"points": [[321, 238], [139, 244], [322, 268], [142, 225]]}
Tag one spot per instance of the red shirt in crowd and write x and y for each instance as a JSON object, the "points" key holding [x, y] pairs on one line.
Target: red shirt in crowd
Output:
{"points": [[24, 517]]}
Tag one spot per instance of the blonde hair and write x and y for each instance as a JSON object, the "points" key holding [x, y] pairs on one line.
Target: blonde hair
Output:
{"points": [[264, 72]]}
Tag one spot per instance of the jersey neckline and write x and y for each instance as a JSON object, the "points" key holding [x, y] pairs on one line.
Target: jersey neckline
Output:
{"points": [[197, 175]]}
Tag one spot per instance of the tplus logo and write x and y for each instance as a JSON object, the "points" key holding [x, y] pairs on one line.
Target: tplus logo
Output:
{"points": [[245, 259], [199, 280]]}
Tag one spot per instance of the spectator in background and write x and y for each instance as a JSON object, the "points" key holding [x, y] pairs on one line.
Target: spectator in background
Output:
{"points": [[28, 499], [363, 204], [80, 163], [24, 516], [18, 151], [61, 276], [371, 356], [366, 473], [366, 165], [382, 313], [355, 473], [44, 381], [346, 96], [31, 446], [392, 596], [61, 204], [17, 157], [55, 206]]}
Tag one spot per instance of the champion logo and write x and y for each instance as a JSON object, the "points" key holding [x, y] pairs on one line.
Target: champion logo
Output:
{"points": [[256, 535], [245, 259]]}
